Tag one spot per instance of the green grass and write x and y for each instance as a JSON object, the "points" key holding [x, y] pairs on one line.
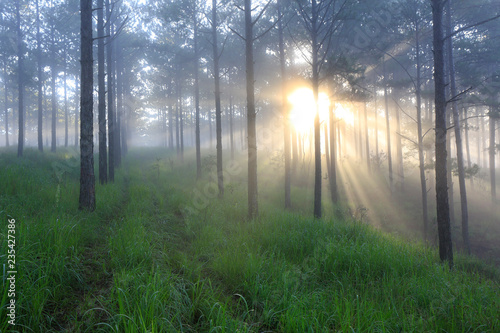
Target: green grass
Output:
{"points": [[146, 261]]}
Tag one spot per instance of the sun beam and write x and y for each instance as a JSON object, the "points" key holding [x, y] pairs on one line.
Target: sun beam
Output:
{"points": [[302, 112]]}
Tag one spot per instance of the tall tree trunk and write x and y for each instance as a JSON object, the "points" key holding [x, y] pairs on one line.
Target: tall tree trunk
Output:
{"points": [[295, 149], [458, 134], [253, 207], [119, 103], [467, 142], [443, 208], [40, 78], [367, 139], [399, 150], [315, 87], [66, 129], [20, 68], [197, 95], [388, 130], [421, 160], [231, 125], [101, 89], [87, 180], [6, 99], [111, 108], [284, 110], [333, 157], [492, 149], [218, 111], [53, 87], [77, 104], [377, 157]]}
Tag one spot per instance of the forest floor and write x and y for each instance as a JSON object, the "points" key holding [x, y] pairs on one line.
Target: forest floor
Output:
{"points": [[162, 253]]}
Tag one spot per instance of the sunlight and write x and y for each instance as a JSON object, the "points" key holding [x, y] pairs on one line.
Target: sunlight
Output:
{"points": [[302, 113]]}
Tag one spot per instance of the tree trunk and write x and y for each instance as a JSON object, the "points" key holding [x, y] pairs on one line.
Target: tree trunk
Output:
{"points": [[315, 87], [87, 180], [492, 149], [253, 206], [6, 99], [443, 208], [458, 134], [111, 109], [53, 87], [77, 103], [421, 160], [197, 95], [119, 103], [377, 157], [101, 89], [333, 157], [66, 125], [20, 66], [399, 150], [367, 139], [218, 111], [467, 142], [231, 125], [388, 130], [284, 110], [40, 78]]}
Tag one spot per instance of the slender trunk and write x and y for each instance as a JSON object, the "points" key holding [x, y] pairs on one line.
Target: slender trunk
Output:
{"points": [[53, 87], [218, 110], [458, 135], [231, 135], [6, 99], [253, 206], [40, 78], [197, 95], [423, 185], [119, 103], [377, 157], [484, 149], [388, 130], [492, 149], [77, 100], [467, 142], [315, 87], [367, 139], [399, 150], [284, 110], [333, 158], [111, 109], [443, 208], [20, 66], [101, 89], [87, 180], [66, 125]]}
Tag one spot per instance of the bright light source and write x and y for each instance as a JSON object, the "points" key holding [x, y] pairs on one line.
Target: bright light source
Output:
{"points": [[303, 111]]}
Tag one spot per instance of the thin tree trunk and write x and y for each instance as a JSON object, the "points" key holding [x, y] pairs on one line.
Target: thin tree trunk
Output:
{"points": [[87, 179], [101, 89], [231, 125], [284, 110], [53, 87], [20, 66], [399, 150], [218, 110], [111, 109], [458, 135], [40, 78], [367, 139], [421, 160], [119, 103], [315, 87], [443, 208], [253, 207], [333, 157], [6, 98], [377, 157], [492, 149], [467, 143], [388, 130], [77, 104], [197, 95]]}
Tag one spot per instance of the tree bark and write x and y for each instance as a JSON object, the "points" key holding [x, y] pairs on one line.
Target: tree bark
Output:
{"points": [[218, 110], [458, 134], [111, 108], [77, 99], [253, 207], [367, 139], [333, 157], [53, 87], [197, 95], [87, 179], [443, 208], [492, 149], [388, 130], [66, 125], [20, 78], [40, 78], [101, 90], [6, 99]]}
